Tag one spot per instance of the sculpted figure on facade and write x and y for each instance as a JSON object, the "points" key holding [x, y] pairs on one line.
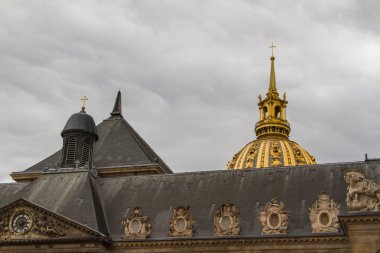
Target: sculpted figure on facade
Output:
{"points": [[362, 194], [227, 220], [274, 218], [48, 227], [181, 223], [324, 215], [137, 225]]}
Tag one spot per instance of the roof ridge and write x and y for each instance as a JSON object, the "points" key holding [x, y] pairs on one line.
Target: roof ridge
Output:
{"points": [[98, 206]]}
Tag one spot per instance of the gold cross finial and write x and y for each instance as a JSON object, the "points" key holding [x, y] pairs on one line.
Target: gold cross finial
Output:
{"points": [[272, 46], [84, 99]]}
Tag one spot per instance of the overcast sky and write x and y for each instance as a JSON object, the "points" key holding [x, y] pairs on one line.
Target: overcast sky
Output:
{"points": [[190, 73]]}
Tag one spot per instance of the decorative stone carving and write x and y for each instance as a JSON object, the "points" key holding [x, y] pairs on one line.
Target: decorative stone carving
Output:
{"points": [[48, 227], [136, 225], [231, 164], [274, 218], [362, 194], [324, 215], [24, 221], [300, 159], [252, 154], [276, 155], [181, 223], [227, 220]]}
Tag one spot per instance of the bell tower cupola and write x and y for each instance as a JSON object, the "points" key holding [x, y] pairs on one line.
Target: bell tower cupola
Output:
{"points": [[79, 136]]}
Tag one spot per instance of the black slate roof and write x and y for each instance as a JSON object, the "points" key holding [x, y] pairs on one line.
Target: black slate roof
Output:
{"points": [[118, 145], [72, 195], [102, 203], [250, 190]]}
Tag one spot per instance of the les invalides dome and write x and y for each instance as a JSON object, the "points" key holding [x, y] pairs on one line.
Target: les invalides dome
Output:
{"points": [[272, 147]]}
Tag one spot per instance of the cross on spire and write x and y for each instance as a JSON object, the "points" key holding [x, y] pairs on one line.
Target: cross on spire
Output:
{"points": [[272, 47], [84, 99]]}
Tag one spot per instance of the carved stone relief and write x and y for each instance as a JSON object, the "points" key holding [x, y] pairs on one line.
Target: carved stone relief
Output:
{"points": [[362, 194], [181, 223], [276, 155], [227, 220], [231, 164], [300, 159], [274, 218], [252, 154], [324, 215], [22, 222], [136, 225]]}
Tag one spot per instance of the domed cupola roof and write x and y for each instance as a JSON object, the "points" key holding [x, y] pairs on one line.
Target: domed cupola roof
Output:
{"points": [[81, 122], [272, 147]]}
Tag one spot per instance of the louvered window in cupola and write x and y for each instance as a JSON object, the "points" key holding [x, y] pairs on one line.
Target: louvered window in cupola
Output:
{"points": [[86, 153], [71, 151]]}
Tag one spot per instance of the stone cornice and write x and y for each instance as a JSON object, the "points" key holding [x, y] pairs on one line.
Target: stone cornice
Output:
{"points": [[231, 241]]}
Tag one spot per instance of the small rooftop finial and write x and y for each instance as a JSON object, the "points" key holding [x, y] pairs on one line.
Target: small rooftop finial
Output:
{"points": [[117, 107], [84, 99], [272, 47]]}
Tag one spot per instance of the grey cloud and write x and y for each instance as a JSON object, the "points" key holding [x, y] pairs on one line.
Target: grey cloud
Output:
{"points": [[190, 73]]}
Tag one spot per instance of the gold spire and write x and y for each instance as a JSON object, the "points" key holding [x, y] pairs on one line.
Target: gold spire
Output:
{"points": [[272, 80], [84, 99], [272, 109]]}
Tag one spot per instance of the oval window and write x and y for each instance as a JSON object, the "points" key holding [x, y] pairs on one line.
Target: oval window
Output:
{"points": [[134, 226], [274, 221], [180, 225], [324, 219], [225, 222]]}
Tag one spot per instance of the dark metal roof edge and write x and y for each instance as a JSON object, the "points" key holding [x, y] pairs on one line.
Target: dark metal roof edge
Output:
{"points": [[251, 170], [129, 166], [359, 214], [98, 204]]}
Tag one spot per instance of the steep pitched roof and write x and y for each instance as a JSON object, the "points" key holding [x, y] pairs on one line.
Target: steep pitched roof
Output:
{"points": [[118, 145], [73, 195]]}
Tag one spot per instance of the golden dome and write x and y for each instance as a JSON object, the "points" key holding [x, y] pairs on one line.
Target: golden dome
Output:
{"points": [[272, 148], [270, 152]]}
